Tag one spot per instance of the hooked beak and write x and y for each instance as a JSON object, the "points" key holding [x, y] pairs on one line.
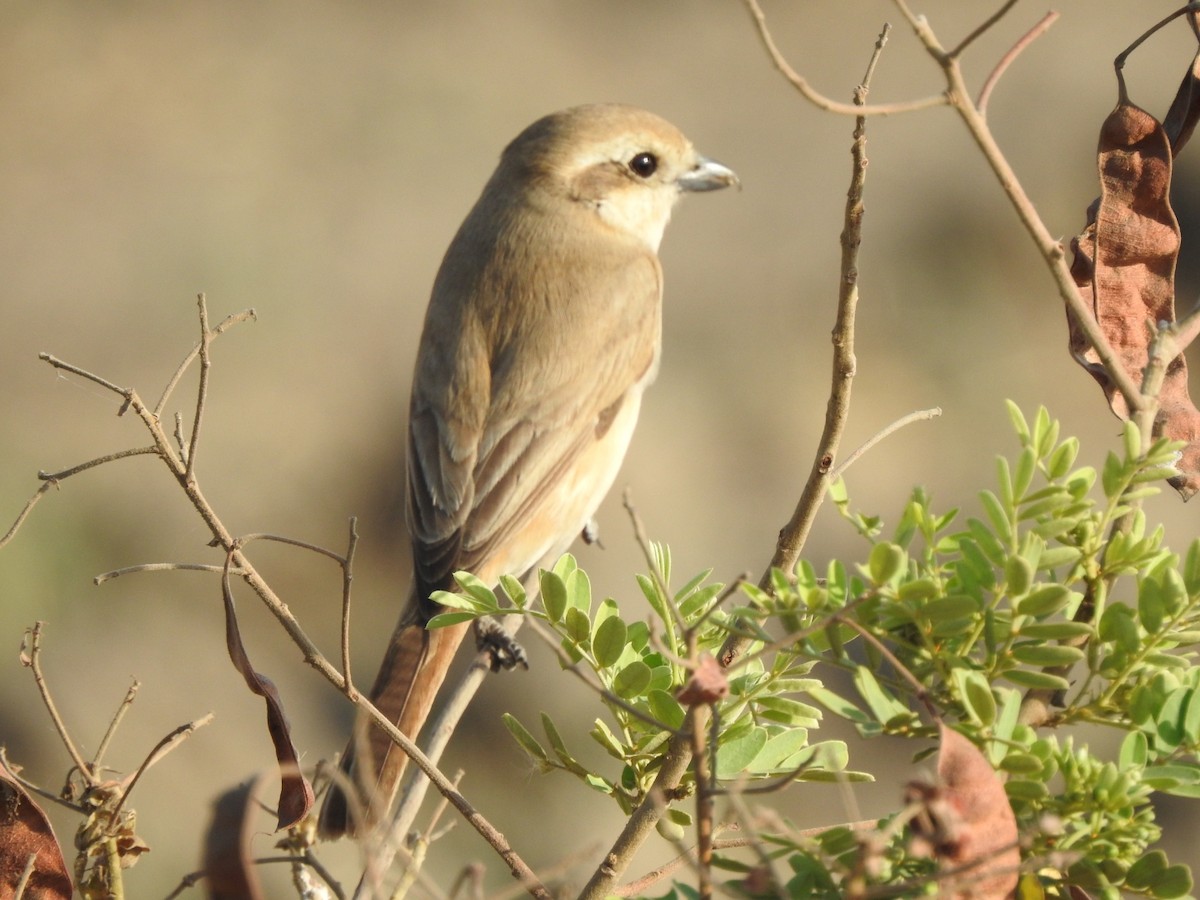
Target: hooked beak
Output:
{"points": [[707, 175]]}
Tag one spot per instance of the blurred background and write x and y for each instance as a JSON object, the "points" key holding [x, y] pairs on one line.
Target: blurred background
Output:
{"points": [[311, 160]]}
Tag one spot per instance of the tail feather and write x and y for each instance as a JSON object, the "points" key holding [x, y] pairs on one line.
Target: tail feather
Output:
{"points": [[413, 669]]}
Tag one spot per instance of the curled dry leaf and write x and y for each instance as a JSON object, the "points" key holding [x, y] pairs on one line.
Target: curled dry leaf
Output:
{"points": [[1124, 262], [707, 684], [967, 824], [25, 835], [295, 793], [228, 860]]}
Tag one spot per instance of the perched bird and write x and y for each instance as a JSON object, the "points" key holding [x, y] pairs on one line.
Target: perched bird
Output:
{"points": [[542, 331]]}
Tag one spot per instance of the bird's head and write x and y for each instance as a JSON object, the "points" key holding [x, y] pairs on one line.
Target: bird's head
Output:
{"points": [[625, 164]]}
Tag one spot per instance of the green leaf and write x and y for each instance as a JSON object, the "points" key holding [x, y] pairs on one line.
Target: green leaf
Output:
{"points": [[609, 640], [478, 591], [443, 620], [1017, 763], [579, 591], [527, 741], [779, 749], [1023, 475], [560, 748], [451, 600], [1018, 575], [839, 705], [998, 517], [1042, 654], [554, 595], [514, 591], [1044, 601], [604, 736], [1134, 751], [883, 705], [734, 757], [1017, 418], [1059, 463], [976, 694], [578, 627], [1056, 631], [632, 680], [885, 562], [1117, 625], [1143, 872], [665, 708], [1174, 881], [1032, 679], [1112, 476]]}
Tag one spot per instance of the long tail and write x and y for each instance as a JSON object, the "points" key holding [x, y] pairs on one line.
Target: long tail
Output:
{"points": [[413, 669]]}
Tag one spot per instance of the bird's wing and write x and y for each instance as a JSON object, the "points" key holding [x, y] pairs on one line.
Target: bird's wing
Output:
{"points": [[487, 453]]}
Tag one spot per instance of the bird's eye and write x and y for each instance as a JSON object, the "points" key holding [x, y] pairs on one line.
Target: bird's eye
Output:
{"points": [[644, 165]]}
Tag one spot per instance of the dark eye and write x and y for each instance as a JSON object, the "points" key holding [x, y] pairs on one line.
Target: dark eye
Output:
{"points": [[644, 165]]}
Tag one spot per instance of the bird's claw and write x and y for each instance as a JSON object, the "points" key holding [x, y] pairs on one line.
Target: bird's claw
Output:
{"points": [[503, 648]]}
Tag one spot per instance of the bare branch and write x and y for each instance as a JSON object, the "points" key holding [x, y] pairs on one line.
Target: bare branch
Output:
{"points": [[226, 324], [161, 749], [25, 511], [31, 652], [983, 27], [122, 708], [920, 415], [202, 390], [985, 93], [820, 100]]}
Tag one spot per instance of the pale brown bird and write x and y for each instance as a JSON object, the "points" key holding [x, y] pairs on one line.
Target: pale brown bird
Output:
{"points": [[542, 331]]}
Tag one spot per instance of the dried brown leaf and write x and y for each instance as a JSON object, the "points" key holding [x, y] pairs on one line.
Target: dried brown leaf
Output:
{"points": [[707, 683], [967, 824], [295, 793], [228, 860], [25, 834], [1125, 265]]}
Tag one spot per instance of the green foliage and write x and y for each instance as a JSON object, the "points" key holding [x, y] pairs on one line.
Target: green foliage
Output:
{"points": [[1057, 605]]}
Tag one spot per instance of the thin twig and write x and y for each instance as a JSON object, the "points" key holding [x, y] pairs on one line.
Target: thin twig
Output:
{"points": [[122, 708], [1050, 247], [92, 463], [163, 567], [920, 415], [638, 887], [820, 100], [31, 652], [245, 539], [83, 373], [985, 93], [161, 749], [202, 392], [794, 534], [25, 511], [347, 582], [226, 324], [982, 28]]}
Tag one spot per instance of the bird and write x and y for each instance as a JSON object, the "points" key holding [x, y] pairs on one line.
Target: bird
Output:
{"points": [[543, 330]]}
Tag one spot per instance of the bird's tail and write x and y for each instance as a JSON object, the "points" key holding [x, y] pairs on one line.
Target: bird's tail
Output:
{"points": [[413, 669]]}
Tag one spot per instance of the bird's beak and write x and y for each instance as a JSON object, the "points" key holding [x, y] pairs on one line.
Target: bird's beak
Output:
{"points": [[707, 175]]}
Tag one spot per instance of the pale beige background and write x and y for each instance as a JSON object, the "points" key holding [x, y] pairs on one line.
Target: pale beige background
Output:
{"points": [[312, 160]]}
